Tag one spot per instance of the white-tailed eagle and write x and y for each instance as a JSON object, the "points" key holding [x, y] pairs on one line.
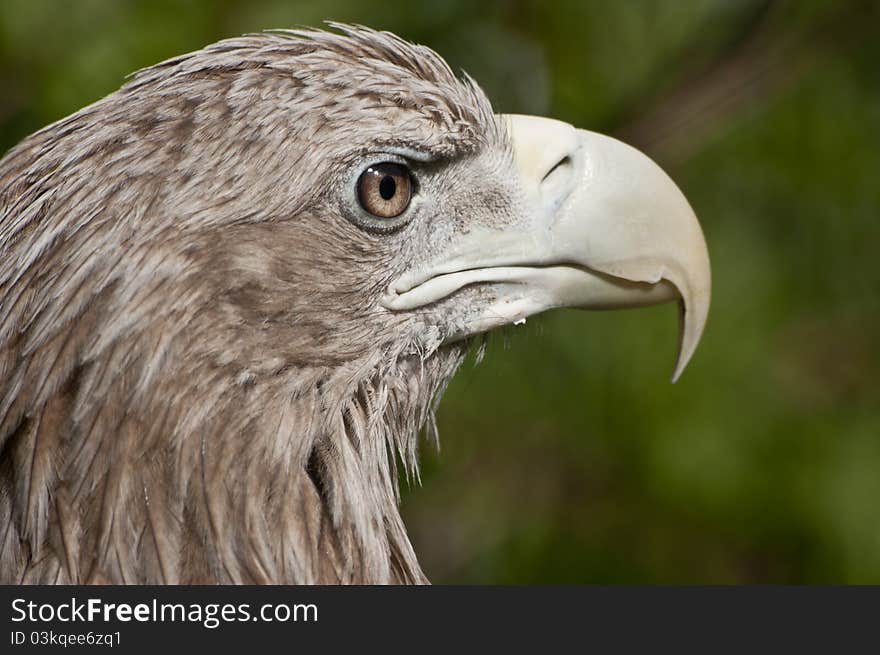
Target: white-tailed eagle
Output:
{"points": [[232, 290]]}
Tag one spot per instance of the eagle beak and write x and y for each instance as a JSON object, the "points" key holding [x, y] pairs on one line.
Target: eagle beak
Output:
{"points": [[607, 228]]}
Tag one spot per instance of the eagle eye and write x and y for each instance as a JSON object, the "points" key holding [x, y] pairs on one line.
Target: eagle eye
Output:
{"points": [[385, 190]]}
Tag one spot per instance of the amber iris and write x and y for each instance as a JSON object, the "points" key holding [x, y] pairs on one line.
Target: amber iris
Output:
{"points": [[385, 190]]}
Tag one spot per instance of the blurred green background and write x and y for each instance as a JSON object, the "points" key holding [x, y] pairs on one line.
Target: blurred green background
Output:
{"points": [[566, 456]]}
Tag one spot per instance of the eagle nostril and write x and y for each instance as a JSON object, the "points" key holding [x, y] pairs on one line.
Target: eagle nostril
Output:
{"points": [[556, 181], [561, 166]]}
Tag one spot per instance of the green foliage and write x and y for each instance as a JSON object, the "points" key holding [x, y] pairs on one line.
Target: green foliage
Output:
{"points": [[567, 456]]}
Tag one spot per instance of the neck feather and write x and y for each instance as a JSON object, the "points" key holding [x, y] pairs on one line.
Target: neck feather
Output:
{"points": [[242, 480]]}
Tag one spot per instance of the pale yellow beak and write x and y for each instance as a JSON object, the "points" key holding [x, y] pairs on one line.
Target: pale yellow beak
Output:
{"points": [[608, 229]]}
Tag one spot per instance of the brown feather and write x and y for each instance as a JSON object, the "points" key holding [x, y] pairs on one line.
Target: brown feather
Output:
{"points": [[196, 385]]}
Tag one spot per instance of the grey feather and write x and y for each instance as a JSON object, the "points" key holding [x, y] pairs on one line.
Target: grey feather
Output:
{"points": [[195, 383]]}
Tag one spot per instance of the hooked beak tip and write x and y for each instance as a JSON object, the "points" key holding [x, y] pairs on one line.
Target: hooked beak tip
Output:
{"points": [[693, 312]]}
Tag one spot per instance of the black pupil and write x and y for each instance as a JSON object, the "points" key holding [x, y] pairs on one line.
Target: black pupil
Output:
{"points": [[387, 187]]}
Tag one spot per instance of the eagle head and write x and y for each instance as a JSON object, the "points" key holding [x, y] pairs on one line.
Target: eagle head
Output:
{"points": [[233, 289]]}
